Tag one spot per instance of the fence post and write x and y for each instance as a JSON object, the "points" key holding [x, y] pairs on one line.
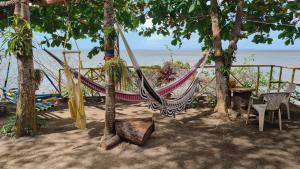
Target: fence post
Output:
{"points": [[293, 75], [257, 80], [271, 76], [92, 78], [279, 80], [59, 80]]}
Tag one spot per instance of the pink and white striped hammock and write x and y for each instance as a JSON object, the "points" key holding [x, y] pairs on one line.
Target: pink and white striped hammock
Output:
{"points": [[130, 96]]}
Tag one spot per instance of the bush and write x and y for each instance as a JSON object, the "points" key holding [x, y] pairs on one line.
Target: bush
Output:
{"points": [[8, 127], [212, 103], [195, 102]]}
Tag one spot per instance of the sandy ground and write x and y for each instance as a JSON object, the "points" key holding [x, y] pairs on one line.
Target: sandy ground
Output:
{"points": [[192, 140]]}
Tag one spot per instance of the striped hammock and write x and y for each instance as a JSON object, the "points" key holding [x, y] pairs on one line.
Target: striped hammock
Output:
{"points": [[129, 96], [167, 107]]}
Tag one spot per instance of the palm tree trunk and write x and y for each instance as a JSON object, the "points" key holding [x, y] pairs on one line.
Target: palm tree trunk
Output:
{"points": [[109, 41], [26, 115], [221, 80]]}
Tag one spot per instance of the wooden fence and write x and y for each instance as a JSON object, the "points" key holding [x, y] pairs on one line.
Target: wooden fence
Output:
{"points": [[273, 79]]}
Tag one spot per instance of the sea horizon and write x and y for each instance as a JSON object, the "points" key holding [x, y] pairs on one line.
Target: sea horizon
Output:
{"points": [[290, 58]]}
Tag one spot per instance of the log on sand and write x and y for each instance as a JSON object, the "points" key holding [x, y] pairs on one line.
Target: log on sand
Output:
{"points": [[135, 130]]}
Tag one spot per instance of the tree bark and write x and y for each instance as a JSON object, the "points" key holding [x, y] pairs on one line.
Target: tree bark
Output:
{"points": [[26, 115], [135, 130], [221, 80], [109, 130], [236, 32], [235, 35], [8, 3]]}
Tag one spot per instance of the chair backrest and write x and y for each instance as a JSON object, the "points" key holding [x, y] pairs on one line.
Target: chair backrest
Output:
{"points": [[274, 100], [290, 88]]}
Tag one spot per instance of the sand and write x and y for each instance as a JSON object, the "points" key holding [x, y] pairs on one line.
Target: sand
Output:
{"points": [[191, 140]]}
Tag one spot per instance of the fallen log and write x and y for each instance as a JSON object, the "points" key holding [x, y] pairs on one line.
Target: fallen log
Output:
{"points": [[136, 130]]}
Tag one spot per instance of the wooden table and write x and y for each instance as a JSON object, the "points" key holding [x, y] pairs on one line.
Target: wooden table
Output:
{"points": [[240, 99]]}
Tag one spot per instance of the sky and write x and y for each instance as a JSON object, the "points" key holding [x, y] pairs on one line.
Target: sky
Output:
{"points": [[157, 42]]}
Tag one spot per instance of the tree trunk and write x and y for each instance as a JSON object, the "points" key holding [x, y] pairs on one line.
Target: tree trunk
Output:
{"points": [[236, 32], [26, 115], [109, 130], [221, 79], [235, 35]]}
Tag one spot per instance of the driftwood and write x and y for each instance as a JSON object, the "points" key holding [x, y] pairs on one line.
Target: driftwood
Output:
{"points": [[136, 130]]}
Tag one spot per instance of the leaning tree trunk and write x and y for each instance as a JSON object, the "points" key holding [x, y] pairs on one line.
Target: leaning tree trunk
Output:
{"points": [[236, 31], [109, 44], [26, 115], [221, 80], [235, 35]]}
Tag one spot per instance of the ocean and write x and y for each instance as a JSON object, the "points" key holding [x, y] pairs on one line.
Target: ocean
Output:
{"points": [[154, 57]]}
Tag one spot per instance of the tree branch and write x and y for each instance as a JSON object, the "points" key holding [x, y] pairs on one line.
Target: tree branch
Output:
{"points": [[7, 3], [39, 2], [236, 32], [216, 30]]}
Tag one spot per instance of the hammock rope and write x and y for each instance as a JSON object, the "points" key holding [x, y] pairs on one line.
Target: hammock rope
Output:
{"points": [[167, 107], [6, 78], [75, 93]]}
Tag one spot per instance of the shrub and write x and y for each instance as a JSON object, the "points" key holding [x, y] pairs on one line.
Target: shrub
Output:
{"points": [[8, 127]]}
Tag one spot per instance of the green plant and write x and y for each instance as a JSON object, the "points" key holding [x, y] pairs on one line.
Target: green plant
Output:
{"points": [[225, 70], [17, 40], [117, 70], [182, 65], [8, 126], [38, 76], [248, 76], [195, 102], [110, 32], [212, 103], [152, 67], [130, 85]]}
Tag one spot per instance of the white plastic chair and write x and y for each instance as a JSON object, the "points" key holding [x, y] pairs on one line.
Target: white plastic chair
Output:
{"points": [[291, 88], [271, 102]]}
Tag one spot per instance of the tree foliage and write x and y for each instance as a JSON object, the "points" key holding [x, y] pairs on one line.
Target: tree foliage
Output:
{"points": [[17, 37], [86, 18], [183, 19]]}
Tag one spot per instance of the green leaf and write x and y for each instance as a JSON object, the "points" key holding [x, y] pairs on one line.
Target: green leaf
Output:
{"points": [[192, 7], [174, 42]]}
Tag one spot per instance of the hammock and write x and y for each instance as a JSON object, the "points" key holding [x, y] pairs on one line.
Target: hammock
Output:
{"points": [[40, 105], [129, 96], [75, 95], [42, 100], [167, 107]]}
